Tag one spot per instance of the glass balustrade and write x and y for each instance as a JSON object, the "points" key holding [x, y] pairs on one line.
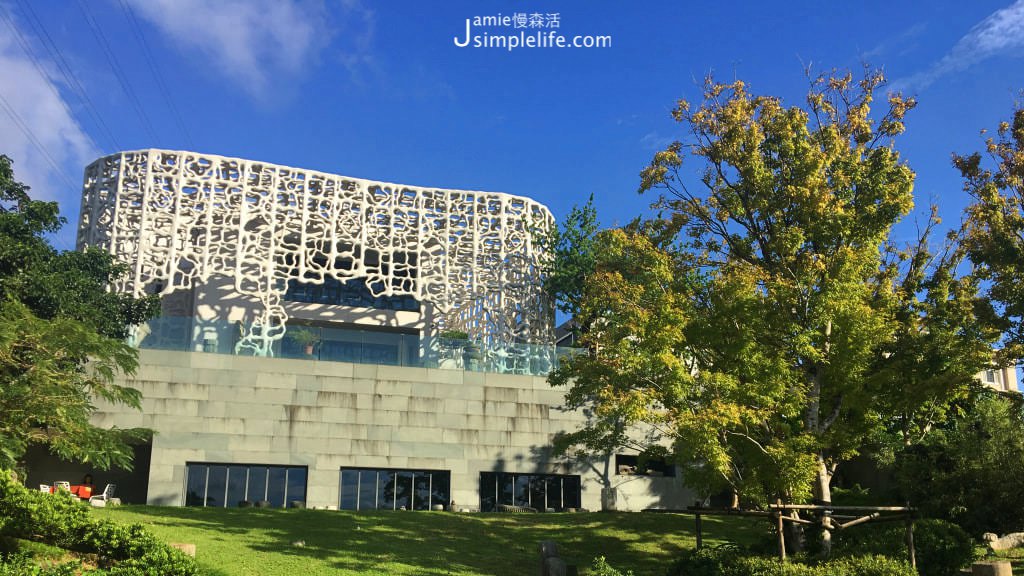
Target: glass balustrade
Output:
{"points": [[356, 345]]}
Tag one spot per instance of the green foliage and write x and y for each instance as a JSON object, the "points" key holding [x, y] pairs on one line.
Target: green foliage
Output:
{"points": [[61, 337], [635, 370], [62, 520], [572, 249], [731, 562], [941, 548], [601, 568], [964, 471], [994, 235], [59, 284], [303, 336]]}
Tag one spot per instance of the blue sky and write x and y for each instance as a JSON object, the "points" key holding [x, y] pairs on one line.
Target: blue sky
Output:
{"points": [[381, 91]]}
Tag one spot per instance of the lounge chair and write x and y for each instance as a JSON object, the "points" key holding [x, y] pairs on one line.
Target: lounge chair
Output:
{"points": [[101, 499]]}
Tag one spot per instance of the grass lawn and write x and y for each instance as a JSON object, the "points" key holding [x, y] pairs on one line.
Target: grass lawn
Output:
{"points": [[260, 542]]}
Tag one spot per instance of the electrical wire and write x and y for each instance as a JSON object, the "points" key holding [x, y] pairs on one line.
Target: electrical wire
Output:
{"points": [[70, 78], [122, 79], [155, 70]]}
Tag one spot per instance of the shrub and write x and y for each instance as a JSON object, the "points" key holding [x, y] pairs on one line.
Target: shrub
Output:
{"points": [[730, 562], [601, 568], [61, 520], [941, 548], [959, 473]]}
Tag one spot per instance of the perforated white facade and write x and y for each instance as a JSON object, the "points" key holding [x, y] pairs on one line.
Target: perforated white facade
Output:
{"points": [[181, 218]]}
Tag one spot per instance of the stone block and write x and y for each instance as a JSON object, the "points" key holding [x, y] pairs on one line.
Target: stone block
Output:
{"points": [[418, 419], [995, 568], [498, 394], [390, 402], [187, 549], [392, 387], [454, 406], [1012, 540], [423, 389]]}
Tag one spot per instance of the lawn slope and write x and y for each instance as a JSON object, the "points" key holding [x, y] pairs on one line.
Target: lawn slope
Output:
{"points": [[262, 542]]}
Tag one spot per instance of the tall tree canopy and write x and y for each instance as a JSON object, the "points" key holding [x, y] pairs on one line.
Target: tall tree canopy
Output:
{"points": [[995, 227], [765, 324], [61, 337]]}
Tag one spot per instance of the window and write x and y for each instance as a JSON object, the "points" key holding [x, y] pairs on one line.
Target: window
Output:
{"points": [[540, 491], [990, 376], [229, 485], [633, 465], [352, 292], [390, 489]]}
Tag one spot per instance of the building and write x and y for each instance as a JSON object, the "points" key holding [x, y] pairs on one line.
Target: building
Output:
{"points": [[1002, 379], [338, 342]]}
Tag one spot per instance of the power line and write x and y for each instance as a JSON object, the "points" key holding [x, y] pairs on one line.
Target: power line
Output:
{"points": [[27, 48], [156, 72], [69, 75], [122, 79], [35, 141]]}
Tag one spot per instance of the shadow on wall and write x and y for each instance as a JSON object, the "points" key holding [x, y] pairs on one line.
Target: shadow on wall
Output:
{"points": [[132, 485]]}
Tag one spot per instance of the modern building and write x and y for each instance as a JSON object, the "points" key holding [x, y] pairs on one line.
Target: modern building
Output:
{"points": [[339, 342]]}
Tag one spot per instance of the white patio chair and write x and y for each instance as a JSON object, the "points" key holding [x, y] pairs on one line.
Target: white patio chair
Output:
{"points": [[44, 488], [101, 499]]}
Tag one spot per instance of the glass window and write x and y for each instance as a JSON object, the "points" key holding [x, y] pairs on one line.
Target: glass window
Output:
{"points": [[488, 490], [216, 485], [231, 484], [403, 490], [257, 484], [349, 489], [276, 486], [368, 489], [195, 485], [237, 477], [539, 491], [296, 485]]}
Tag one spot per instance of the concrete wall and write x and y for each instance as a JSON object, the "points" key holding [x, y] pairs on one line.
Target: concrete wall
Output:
{"points": [[326, 415]]}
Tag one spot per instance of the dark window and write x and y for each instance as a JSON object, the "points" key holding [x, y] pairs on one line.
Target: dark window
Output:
{"points": [[370, 489], [229, 485], [540, 491], [351, 292], [634, 465]]}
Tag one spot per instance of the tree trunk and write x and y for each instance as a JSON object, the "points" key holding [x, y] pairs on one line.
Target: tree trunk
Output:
{"points": [[823, 496]]}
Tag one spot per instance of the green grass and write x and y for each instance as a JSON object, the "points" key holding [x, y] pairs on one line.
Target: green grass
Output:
{"points": [[260, 542]]}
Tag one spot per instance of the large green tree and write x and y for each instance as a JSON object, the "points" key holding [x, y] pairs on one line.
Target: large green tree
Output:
{"points": [[61, 337], [785, 331]]}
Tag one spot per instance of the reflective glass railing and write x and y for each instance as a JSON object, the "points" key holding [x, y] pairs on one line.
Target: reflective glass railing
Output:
{"points": [[362, 346]]}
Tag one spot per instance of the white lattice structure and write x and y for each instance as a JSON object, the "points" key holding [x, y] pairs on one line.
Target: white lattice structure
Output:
{"points": [[179, 218]]}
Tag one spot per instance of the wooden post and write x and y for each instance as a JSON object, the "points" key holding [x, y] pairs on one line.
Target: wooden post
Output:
{"points": [[910, 537], [782, 530], [700, 526]]}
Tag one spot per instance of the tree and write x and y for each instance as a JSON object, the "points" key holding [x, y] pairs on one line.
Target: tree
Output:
{"points": [[994, 236], [631, 313], [794, 307], [61, 337], [960, 473]]}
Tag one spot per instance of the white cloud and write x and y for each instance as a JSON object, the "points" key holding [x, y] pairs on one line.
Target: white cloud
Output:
{"points": [[1001, 32], [253, 42], [38, 106]]}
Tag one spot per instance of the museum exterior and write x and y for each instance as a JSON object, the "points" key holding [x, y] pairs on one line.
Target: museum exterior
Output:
{"points": [[341, 342]]}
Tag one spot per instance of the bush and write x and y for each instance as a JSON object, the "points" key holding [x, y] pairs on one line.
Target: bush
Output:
{"points": [[731, 562], [941, 548], [62, 520], [601, 568], [959, 473]]}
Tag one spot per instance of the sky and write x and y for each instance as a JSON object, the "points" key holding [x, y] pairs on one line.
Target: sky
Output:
{"points": [[384, 91]]}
